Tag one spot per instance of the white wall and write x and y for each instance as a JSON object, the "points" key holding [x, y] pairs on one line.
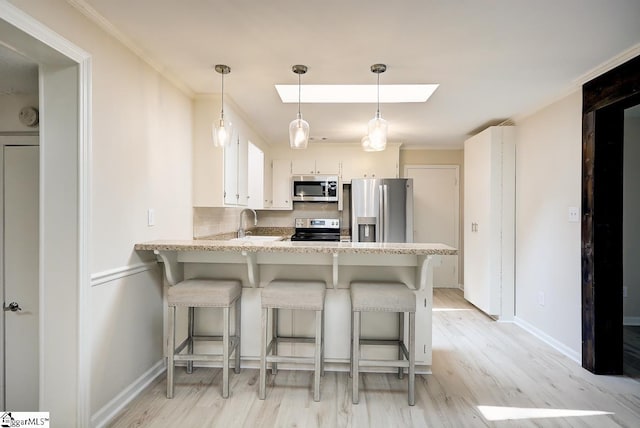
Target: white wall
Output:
{"points": [[10, 105], [141, 158], [630, 215], [548, 182]]}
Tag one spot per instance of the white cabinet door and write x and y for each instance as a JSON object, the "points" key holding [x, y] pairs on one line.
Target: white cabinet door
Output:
{"points": [[231, 171], [255, 173], [363, 164], [303, 166], [477, 157], [327, 166], [316, 166], [243, 171], [281, 184], [235, 171]]}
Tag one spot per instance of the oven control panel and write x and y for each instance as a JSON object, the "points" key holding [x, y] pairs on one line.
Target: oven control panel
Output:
{"points": [[320, 223]]}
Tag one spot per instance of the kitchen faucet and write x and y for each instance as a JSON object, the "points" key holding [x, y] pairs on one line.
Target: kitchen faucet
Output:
{"points": [[241, 231]]}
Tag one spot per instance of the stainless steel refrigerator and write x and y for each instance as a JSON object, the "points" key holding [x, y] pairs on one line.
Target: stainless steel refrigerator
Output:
{"points": [[382, 210]]}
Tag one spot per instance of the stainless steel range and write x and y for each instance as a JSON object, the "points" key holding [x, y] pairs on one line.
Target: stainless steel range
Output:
{"points": [[317, 229]]}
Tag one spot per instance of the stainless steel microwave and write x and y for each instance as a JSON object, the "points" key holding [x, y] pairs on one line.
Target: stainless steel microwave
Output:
{"points": [[315, 188]]}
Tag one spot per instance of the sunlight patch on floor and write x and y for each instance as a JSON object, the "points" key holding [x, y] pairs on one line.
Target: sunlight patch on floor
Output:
{"points": [[450, 309], [498, 413]]}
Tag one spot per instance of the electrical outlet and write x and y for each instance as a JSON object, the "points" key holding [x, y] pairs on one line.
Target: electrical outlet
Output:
{"points": [[624, 291], [151, 217], [541, 298], [574, 215]]}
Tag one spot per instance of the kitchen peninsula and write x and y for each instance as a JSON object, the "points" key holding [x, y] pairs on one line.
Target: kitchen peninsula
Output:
{"points": [[257, 262]]}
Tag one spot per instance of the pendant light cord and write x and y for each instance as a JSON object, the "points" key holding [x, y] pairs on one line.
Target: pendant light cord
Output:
{"points": [[222, 99], [299, 92], [378, 109]]}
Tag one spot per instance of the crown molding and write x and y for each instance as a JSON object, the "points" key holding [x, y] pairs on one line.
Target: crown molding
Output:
{"points": [[612, 63], [576, 84], [106, 25]]}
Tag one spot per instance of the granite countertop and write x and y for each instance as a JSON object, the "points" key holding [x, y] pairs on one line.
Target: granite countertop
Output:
{"points": [[305, 247]]}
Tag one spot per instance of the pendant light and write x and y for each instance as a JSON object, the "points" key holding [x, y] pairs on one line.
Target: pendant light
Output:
{"points": [[377, 126], [366, 144], [299, 128], [222, 128]]}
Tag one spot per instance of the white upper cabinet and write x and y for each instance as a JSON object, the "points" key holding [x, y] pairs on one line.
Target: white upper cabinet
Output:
{"points": [[255, 176], [235, 171], [360, 164], [281, 185], [489, 220], [316, 166], [221, 176]]}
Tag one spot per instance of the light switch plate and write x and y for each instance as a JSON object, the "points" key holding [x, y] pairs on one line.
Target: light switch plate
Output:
{"points": [[151, 217], [574, 215]]}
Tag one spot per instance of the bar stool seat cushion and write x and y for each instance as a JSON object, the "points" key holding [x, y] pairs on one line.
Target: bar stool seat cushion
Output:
{"points": [[204, 293], [304, 295], [382, 297]]}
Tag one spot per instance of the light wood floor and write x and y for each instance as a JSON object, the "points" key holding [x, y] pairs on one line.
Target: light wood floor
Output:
{"points": [[631, 360], [476, 362]]}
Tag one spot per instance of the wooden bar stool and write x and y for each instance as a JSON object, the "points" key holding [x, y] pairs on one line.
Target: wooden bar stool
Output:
{"points": [[300, 295], [207, 293], [383, 297]]}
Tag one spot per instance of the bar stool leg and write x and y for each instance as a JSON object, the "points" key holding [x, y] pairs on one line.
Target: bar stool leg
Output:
{"points": [[400, 341], [170, 350], [317, 357], [412, 358], [274, 337], [238, 331], [225, 352], [351, 348], [263, 356], [356, 357], [191, 333], [322, 346]]}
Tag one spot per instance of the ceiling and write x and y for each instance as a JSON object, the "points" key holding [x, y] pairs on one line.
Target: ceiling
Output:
{"points": [[18, 75], [494, 60]]}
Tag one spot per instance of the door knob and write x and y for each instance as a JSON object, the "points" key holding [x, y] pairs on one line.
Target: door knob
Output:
{"points": [[13, 307]]}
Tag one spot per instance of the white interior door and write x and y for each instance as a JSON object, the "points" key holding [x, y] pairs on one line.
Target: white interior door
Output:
{"points": [[436, 200], [21, 213]]}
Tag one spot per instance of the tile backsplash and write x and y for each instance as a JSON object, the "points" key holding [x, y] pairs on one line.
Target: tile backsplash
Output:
{"points": [[215, 221]]}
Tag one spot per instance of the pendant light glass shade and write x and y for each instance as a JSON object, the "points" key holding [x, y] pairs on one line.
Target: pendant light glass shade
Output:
{"points": [[222, 127], [299, 128], [378, 127], [221, 133], [378, 133], [299, 133]]}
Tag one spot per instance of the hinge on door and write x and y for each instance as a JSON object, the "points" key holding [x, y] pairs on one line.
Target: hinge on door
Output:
{"points": [[425, 302], [424, 349]]}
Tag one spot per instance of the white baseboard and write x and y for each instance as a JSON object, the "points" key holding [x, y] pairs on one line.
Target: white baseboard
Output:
{"points": [[557, 345], [635, 321], [103, 416]]}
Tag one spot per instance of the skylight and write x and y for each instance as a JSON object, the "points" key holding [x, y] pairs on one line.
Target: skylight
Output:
{"points": [[355, 93]]}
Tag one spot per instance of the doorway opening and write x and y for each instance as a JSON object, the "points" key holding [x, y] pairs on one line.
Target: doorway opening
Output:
{"points": [[63, 239], [605, 100]]}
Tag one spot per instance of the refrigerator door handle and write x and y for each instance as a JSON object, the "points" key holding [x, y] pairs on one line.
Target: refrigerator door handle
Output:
{"points": [[385, 212], [381, 214]]}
